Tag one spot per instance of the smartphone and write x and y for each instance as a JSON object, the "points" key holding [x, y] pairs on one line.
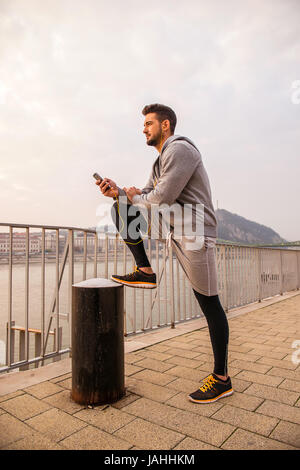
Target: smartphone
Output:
{"points": [[99, 178]]}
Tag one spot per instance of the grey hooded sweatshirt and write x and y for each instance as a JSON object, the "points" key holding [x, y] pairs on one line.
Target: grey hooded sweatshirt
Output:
{"points": [[178, 176]]}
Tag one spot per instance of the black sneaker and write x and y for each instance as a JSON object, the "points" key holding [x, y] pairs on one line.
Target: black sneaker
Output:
{"points": [[137, 279], [212, 389]]}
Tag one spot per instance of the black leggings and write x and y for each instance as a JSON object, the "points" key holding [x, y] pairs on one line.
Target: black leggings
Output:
{"points": [[134, 242], [218, 329], [210, 305]]}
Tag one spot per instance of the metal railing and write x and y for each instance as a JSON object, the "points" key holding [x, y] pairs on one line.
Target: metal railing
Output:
{"points": [[245, 275]]}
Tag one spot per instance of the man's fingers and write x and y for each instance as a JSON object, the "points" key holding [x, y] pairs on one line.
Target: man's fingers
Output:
{"points": [[104, 186]]}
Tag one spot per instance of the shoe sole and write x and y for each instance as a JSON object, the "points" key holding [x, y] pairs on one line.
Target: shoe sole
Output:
{"points": [[136, 284], [225, 394]]}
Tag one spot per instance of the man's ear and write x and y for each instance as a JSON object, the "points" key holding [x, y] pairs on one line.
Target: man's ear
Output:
{"points": [[165, 125]]}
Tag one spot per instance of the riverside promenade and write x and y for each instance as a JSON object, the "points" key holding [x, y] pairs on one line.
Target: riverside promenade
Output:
{"points": [[162, 367]]}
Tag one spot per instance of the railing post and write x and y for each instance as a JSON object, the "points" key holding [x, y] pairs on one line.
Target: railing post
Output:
{"points": [[172, 287], [10, 335], [281, 274], [37, 346], [259, 270], [57, 342], [298, 269], [226, 279], [22, 355], [71, 280], [10, 343]]}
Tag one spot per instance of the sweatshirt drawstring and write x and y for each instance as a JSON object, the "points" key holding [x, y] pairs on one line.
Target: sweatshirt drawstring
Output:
{"points": [[169, 240]]}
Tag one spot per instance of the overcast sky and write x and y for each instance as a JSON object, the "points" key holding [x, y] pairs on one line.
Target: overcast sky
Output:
{"points": [[75, 75]]}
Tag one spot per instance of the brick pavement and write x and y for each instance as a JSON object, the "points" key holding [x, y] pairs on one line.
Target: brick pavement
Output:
{"points": [[263, 413]]}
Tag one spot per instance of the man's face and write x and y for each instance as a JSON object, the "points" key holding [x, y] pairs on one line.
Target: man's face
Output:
{"points": [[152, 129]]}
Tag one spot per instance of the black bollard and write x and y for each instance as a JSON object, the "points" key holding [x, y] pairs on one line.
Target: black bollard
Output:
{"points": [[97, 342]]}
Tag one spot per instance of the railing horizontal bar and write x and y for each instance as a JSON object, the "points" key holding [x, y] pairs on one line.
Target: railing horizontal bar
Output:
{"points": [[30, 330], [47, 227], [18, 364]]}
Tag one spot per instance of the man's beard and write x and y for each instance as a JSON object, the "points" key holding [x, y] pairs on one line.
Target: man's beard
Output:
{"points": [[154, 141]]}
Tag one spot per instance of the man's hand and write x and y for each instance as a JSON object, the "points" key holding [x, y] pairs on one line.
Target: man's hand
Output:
{"points": [[132, 191], [103, 186]]}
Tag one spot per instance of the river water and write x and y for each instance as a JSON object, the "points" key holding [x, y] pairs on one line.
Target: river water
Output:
{"points": [[138, 302]]}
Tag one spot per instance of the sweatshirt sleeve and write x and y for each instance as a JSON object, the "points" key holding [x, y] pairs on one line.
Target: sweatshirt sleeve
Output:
{"points": [[178, 165], [149, 186]]}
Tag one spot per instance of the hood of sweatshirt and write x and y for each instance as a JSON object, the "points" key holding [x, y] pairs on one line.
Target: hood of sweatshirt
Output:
{"points": [[174, 138]]}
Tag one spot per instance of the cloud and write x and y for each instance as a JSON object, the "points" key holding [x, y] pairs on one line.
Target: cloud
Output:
{"points": [[75, 76]]}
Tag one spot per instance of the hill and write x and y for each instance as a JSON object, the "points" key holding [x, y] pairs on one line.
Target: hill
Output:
{"points": [[233, 227]]}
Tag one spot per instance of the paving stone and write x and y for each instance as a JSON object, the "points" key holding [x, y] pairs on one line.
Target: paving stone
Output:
{"points": [[203, 349], [182, 402], [287, 432], [24, 406], [288, 374], [243, 357], [153, 364], [241, 349], [193, 444], [34, 441], [131, 358], [11, 395], [91, 438], [245, 440], [43, 389], [11, 430], [125, 400], [158, 348], [131, 369], [240, 400], [184, 385], [60, 378], [187, 373], [67, 383], [273, 355], [147, 435], [149, 390], [186, 338], [283, 364], [278, 343], [290, 385], [108, 419], [183, 353], [179, 345], [246, 419], [159, 356], [280, 410], [259, 378], [62, 400], [239, 385], [154, 377], [257, 348], [252, 366], [184, 422], [185, 362], [272, 393], [55, 424]]}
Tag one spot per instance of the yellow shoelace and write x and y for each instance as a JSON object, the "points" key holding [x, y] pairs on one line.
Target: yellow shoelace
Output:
{"points": [[208, 384], [135, 270]]}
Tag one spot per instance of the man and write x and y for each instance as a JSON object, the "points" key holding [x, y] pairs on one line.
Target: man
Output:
{"points": [[178, 176]]}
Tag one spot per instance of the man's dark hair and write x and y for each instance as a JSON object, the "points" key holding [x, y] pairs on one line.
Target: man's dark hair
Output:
{"points": [[163, 112]]}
